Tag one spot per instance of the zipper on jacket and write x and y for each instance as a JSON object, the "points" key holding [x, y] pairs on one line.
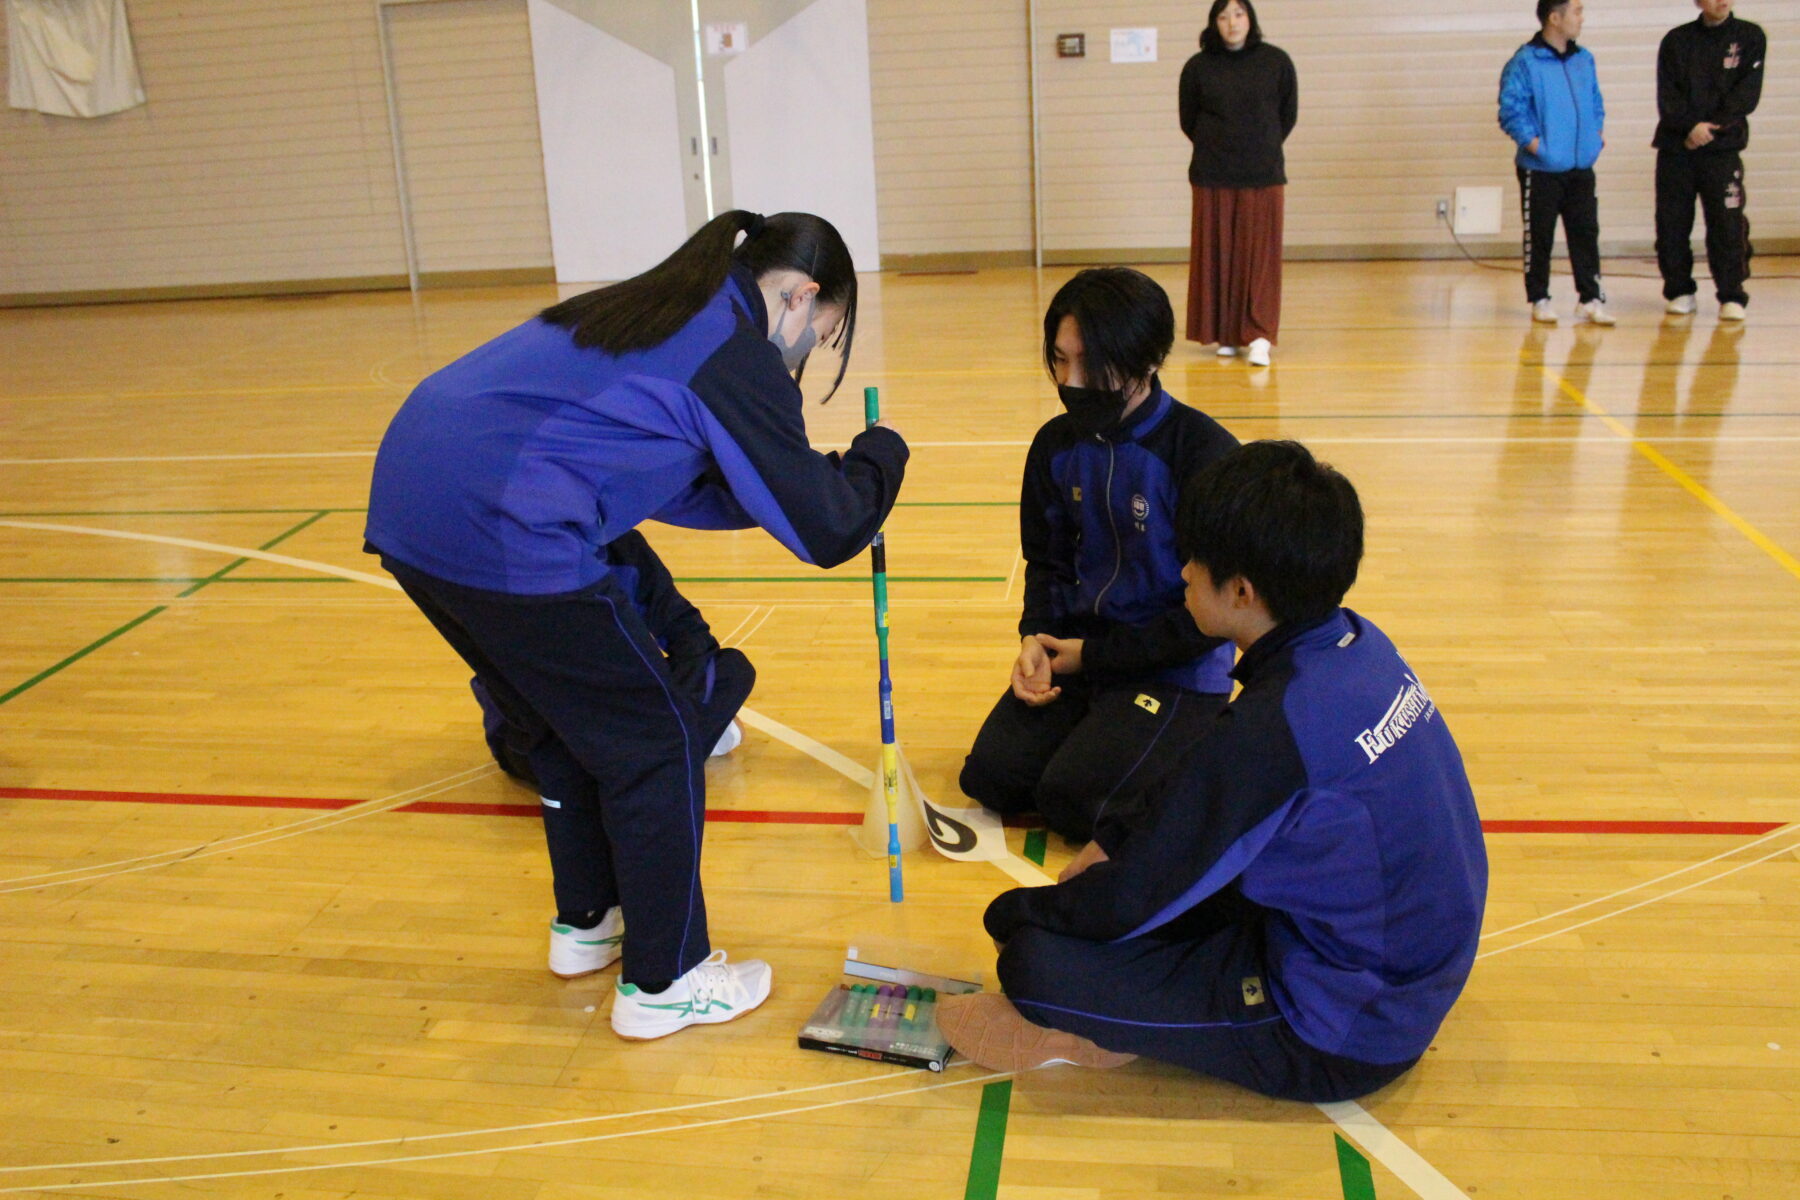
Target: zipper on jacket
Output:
{"points": [[1575, 101], [1112, 521]]}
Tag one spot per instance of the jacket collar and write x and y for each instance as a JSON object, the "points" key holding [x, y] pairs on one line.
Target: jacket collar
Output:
{"points": [[740, 285], [1331, 628], [1537, 40], [1144, 417]]}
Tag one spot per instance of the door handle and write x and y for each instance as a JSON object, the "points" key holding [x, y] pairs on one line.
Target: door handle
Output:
{"points": [[715, 145], [693, 145]]}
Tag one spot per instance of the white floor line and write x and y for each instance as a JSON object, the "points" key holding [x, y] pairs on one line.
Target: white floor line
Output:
{"points": [[1387, 1149], [1640, 904], [279, 833], [588, 1139], [304, 564], [491, 1131], [1018, 557], [1563, 912]]}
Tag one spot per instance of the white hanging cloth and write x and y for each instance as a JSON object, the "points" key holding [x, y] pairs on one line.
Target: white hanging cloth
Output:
{"points": [[70, 58]]}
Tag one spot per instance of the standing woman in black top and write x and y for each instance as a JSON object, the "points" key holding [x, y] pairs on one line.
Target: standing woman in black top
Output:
{"points": [[1239, 101]]}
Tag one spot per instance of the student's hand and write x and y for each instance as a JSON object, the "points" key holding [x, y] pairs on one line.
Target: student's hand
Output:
{"points": [[884, 423], [1066, 653], [1701, 135], [1532, 146], [1090, 854], [1031, 675]]}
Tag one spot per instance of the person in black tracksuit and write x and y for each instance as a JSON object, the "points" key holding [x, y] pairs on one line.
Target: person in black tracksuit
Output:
{"points": [[718, 680], [1709, 75], [1113, 682]]}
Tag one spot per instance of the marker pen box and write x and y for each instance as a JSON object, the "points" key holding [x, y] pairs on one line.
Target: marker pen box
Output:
{"points": [[884, 1014]]}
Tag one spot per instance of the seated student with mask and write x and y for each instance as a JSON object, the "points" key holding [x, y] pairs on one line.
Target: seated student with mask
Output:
{"points": [[1306, 936], [1112, 682]]}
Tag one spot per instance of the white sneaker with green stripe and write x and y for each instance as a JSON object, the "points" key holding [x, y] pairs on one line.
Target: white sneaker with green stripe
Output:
{"points": [[713, 992], [577, 952]]}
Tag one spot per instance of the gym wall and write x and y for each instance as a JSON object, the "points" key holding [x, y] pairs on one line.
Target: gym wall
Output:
{"points": [[264, 159]]}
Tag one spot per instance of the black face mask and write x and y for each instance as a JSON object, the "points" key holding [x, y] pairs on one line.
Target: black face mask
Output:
{"points": [[1094, 410]]}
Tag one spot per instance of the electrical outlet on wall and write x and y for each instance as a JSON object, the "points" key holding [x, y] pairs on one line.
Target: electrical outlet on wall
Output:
{"points": [[1443, 209]]}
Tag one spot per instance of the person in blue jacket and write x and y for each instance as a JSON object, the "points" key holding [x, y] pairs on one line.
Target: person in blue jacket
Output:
{"points": [[1298, 909], [502, 485], [1112, 681], [1550, 106]]}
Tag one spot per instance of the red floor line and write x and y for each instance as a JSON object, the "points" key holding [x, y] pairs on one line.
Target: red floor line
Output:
{"points": [[773, 817]]}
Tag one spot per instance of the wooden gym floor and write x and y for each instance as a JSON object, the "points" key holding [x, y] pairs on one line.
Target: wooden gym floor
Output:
{"points": [[272, 926]]}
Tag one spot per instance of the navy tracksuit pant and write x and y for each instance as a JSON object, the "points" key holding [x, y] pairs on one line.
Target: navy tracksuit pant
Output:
{"points": [[617, 746], [1093, 752], [1194, 993]]}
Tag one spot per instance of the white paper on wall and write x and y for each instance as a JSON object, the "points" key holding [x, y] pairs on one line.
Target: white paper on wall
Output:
{"points": [[70, 58], [1134, 45]]}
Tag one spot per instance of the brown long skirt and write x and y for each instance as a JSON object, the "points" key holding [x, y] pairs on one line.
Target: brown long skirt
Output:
{"points": [[1234, 273]]}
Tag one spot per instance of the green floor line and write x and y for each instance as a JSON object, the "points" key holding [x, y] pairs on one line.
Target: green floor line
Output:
{"points": [[990, 1142], [1036, 842], [216, 576], [81, 653], [1353, 1170]]}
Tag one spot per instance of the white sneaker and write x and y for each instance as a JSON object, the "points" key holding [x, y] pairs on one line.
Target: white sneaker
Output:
{"points": [[730, 740], [713, 992], [1259, 352], [1227, 351], [577, 952], [1681, 306], [1731, 310], [1544, 312], [1594, 312]]}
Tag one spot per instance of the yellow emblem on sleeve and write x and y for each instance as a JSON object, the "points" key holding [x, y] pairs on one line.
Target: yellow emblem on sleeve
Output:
{"points": [[1149, 704]]}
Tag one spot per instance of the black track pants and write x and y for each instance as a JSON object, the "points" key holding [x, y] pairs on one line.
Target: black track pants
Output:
{"points": [[1089, 754], [1544, 198], [1716, 179]]}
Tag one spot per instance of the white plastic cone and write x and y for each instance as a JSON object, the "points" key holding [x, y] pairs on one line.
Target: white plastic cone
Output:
{"points": [[872, 834]]}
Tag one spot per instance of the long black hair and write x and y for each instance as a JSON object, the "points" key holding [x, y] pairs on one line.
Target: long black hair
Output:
{"points": [[1127, 326], [649, 309], [1210, 40]]}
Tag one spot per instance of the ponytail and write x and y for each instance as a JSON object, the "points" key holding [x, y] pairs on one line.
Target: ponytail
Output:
{"points": [[649, 309]]}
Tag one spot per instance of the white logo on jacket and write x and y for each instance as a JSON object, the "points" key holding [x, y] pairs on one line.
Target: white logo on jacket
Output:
{"points": [[1408, 707]]}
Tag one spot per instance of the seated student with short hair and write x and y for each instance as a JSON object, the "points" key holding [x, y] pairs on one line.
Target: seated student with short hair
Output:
{"points": [[1306, 936], [1112, 680]]}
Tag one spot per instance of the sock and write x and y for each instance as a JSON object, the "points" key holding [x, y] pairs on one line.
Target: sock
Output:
{"points": [[579, 920], [657, 988]]}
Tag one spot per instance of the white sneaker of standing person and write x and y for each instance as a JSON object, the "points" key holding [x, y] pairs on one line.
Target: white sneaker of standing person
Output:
{"points": [[1259, 352], [1543, 312], [713, 992], [576, 952], [1594, 313], [1682, 306], [730, 740], [1731, 310], [1227, 351]]}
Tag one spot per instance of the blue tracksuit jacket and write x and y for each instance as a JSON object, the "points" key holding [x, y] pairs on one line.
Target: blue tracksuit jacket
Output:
{"points": [[511, 468], [1554, 98], [1332, 796], [1097, 531]]}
